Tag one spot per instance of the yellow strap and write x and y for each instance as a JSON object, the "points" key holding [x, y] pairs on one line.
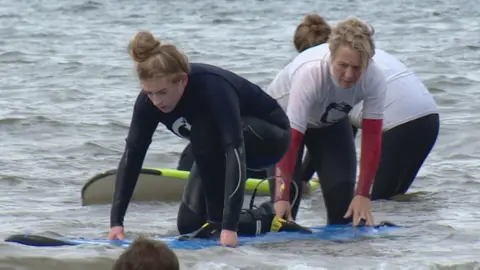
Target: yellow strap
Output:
{"points": [[277, 223]]}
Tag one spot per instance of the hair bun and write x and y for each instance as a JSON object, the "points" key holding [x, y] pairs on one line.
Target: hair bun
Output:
{"points": [[142, 46], [317, 24], [313, 20], [368, 28]]}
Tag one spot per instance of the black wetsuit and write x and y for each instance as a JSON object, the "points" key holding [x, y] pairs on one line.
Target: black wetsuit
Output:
{"points": [[403, 154], [334, 158], [231, 123], [185, 163]]}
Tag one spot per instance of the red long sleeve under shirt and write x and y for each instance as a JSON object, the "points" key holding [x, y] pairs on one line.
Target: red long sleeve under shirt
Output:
{"points": [[369, 160]]}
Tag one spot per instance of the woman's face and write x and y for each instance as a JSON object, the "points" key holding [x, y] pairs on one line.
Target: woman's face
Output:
{"points": [[164, 92], [347, 66]]}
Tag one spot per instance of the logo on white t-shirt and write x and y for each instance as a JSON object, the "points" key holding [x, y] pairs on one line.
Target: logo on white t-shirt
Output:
{"points": [[335, 112]]}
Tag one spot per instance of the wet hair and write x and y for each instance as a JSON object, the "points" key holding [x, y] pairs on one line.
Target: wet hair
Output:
{"points": [[354, 34], [312, 31], [147, 254], [155, 59]]}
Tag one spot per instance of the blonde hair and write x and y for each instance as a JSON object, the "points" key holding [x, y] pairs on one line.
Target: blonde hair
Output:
{"points": [[147, 254], [154, 59], [313, 31], [355, 34]]}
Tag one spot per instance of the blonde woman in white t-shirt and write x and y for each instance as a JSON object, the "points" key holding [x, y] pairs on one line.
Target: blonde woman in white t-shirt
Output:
{"points": [[318, 89], [410, 110]]}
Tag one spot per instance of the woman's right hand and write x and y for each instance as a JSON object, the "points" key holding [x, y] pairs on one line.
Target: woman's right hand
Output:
{"points": [[116, 233], [283, 210]]}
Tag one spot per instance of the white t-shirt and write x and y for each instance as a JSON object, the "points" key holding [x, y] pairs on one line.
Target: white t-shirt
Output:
{"points": [[311, 96], [406, 98]]}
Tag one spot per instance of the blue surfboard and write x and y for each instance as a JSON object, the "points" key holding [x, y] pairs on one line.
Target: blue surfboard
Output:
{"points": [[334, 233]]}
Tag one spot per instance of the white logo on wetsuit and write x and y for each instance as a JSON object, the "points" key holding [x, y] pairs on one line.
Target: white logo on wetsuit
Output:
{"points": [[335, 112], [181, 128]]}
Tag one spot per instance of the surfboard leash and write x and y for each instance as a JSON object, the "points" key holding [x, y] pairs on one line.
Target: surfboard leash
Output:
{"points": [[254, 193]]}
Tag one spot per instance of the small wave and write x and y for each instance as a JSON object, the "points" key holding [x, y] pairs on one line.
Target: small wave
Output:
{"points": [[12, 120], [84, 7], [28, 120], [47, 35], [22, 262], [458, 52], [223, 21], [10, 180], [472, 47], [110, 124], [69, 65], [136, 16], [98, 150], [10, 16], [443, 228], [454, 266], [451, 80], [14, 57], [435, 90]]}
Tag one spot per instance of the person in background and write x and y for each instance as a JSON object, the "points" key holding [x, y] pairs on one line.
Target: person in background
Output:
{"points": [[318, 89], [411, 119], [147, 254]]}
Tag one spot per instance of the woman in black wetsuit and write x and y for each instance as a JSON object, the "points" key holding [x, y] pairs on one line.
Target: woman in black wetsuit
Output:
{"points": [[232, 125]]}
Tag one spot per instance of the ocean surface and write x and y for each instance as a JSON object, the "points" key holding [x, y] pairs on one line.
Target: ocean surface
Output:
{"points": [[68, 86]]}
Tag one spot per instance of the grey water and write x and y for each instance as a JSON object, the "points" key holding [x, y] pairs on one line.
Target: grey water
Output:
{"points": [[67, 88]]}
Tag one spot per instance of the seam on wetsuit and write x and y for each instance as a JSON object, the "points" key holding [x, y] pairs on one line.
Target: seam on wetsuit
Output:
{"points": [[254, 133], [237, 156]]}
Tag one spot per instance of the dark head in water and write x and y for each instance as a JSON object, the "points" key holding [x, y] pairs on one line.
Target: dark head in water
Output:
{"points": [[147, 254], [314, 30], [162, 70]]}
